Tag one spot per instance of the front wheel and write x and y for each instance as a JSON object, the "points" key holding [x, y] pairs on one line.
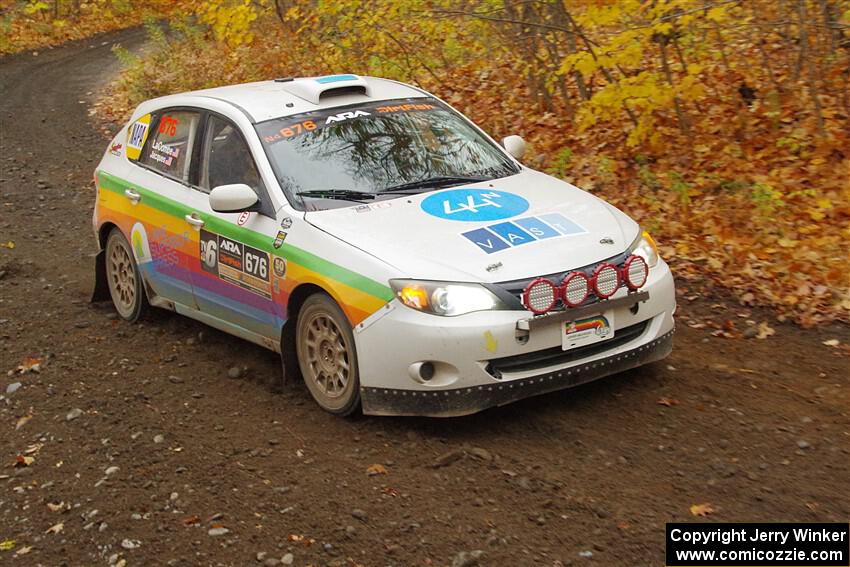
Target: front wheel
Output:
{"points": [[326, 355], [124, 279]]}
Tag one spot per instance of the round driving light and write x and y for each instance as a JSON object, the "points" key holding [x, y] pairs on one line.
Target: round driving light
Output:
{"points": [[606, 280], [575, 288], [540, 296], [635, 272]]}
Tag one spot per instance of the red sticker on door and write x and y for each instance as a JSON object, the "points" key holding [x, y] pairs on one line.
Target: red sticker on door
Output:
{"points": [[243, 218]]}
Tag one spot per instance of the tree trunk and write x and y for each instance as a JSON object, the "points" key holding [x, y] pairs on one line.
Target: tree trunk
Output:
{"points": [[808, 62], [677, 104]]}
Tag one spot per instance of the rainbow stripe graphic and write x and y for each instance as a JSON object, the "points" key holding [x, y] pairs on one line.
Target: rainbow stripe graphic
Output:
{"points": [[168, 253], [597, 323]]}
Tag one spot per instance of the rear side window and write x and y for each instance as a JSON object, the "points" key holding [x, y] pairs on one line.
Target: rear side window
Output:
{"points": [[169, 145], [226, 158]]}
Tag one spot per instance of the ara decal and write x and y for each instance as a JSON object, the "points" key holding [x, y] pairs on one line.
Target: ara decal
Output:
{"points": [[236, 263]]}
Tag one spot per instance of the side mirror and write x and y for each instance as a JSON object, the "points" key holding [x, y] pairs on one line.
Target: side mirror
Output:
{"points": [[515, 146], [232, 198]]}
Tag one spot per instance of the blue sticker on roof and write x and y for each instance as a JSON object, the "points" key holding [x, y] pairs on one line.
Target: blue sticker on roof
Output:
{"points": [[336, 79], [473, 205]]}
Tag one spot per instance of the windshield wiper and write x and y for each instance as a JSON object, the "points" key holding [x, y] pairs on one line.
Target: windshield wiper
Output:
{"points": [[439, 180], [344, 194]]}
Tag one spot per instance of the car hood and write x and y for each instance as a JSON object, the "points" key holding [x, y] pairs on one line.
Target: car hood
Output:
{"points": [[516, 227]]}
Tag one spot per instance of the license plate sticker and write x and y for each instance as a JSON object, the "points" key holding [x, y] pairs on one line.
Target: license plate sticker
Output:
{"points": [[587, 331]]}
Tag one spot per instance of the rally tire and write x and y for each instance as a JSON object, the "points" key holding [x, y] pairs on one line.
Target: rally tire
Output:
{"points": [[124, 279], [327, 357]]}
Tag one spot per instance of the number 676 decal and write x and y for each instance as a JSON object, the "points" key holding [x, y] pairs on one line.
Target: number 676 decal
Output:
{"points": [[235, 263]]}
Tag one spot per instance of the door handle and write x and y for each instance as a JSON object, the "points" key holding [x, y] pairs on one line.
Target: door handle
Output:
{"points": [[194, 220], [132, 195]]}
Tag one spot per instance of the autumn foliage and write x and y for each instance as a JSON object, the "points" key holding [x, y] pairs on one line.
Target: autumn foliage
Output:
{"points": [[35, 24], [723, 127]]}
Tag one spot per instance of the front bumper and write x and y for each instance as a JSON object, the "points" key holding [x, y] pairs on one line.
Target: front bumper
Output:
{"points": [[491, 358], [464, 401]]}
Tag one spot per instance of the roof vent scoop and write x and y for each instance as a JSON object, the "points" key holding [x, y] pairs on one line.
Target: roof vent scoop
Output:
{"points": [[313, 89]]}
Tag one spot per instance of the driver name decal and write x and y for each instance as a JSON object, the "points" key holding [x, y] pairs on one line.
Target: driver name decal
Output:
{"points": [[496, 237], [236, 263], [474, 205]]}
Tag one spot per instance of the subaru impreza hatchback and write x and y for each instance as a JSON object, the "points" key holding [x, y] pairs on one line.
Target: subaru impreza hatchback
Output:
{"points": [[391, 251]]}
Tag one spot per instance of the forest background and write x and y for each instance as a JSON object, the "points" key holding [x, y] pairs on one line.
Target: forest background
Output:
{"points": [[722, 126]]}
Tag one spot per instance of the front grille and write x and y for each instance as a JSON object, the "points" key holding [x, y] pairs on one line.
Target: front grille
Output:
{"points": [[516, 287], [556, 355]]}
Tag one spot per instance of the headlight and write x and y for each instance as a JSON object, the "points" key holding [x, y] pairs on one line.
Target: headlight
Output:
{"points": [[445, 298], [645, 247]]}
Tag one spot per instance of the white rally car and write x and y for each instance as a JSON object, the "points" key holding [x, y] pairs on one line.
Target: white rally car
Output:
{"points": [[392, 252]]}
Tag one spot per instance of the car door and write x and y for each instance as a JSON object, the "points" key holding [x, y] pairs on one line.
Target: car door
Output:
{"points": [[236, 279], [156, 192]]}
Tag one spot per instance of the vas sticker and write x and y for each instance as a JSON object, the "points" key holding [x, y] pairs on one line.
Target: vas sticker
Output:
{"points": [[503, 235]]}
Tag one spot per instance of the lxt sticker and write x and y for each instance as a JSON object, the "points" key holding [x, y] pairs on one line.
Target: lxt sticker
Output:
{"points": [[236, 263], [474, 205], [496, 237]]}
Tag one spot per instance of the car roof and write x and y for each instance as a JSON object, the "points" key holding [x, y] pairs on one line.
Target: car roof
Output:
{"points": [[266, 100]]}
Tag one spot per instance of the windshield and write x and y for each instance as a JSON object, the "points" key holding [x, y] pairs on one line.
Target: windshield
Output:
{"points": [[378, 147]]}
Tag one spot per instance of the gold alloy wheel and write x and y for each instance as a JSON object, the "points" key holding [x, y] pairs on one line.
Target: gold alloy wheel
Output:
{"points": [[326, 355], [122, 277]]}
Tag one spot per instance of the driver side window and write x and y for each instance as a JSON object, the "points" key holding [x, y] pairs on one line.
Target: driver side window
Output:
{"points": [[227, 158]]}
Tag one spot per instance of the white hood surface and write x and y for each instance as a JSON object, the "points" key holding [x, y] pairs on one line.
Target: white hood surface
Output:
{"points": [[522, 226]]}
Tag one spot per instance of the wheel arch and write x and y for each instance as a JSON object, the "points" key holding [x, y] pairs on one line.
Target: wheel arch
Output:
{"points": [[287, 335], [103, 233], [296, 301], [101, 287]]}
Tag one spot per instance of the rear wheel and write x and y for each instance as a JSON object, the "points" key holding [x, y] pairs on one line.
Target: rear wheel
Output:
{"points": [[326, 355], [124, 279]]}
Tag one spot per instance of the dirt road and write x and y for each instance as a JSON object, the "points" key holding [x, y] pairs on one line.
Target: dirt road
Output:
{"points": [[145, 451]]}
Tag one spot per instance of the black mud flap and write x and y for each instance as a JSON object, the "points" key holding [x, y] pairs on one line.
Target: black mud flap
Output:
{"points": [[288, 356], [101, 287]]}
